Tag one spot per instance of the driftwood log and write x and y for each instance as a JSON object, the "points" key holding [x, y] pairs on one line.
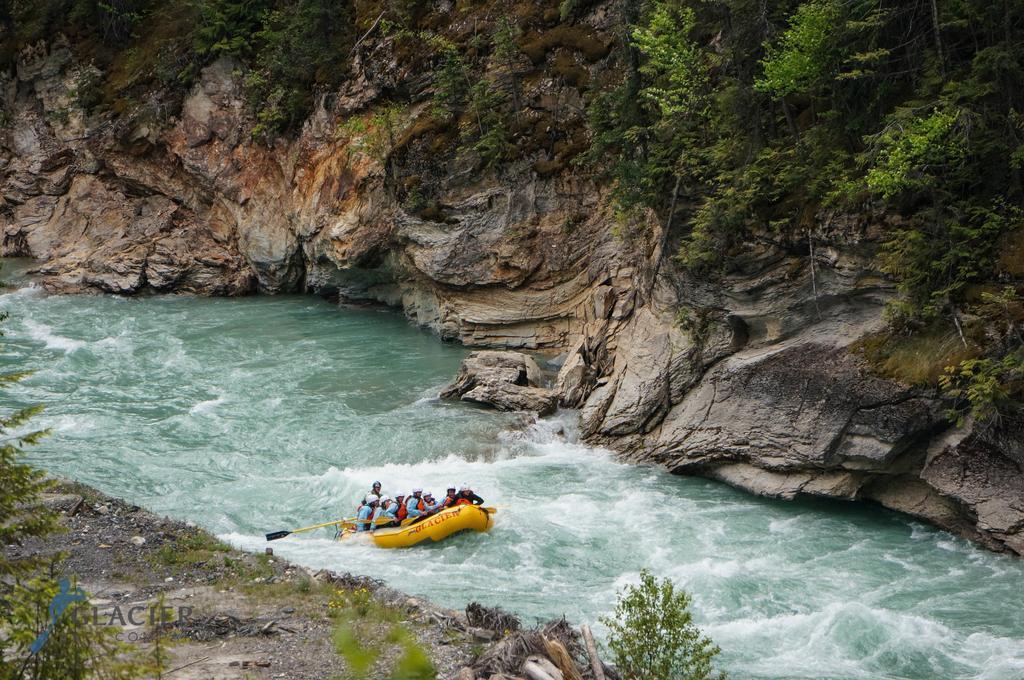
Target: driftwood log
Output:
{"points": [[537, 667], [595, 661], [562, 658]]}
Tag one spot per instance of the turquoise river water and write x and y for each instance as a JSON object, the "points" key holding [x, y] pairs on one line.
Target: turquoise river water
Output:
{"points": [[257, 414]]}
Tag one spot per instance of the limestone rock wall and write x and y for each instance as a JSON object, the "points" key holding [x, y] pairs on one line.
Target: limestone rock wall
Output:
{"points": [[127, 204], [754, 381]]}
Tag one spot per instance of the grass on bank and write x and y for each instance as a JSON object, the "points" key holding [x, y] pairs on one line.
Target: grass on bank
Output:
{"points": [[919, 359], [374, 642], [198, 549]]}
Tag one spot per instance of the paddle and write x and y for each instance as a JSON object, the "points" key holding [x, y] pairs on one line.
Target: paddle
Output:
{"points": [[274, 535]]}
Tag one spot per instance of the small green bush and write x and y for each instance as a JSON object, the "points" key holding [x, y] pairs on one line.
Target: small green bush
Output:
{"points": [[985, 388], [653, 635]]}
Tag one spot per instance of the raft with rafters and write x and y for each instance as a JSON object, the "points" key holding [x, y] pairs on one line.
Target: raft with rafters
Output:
{"points": [[437, 527]]}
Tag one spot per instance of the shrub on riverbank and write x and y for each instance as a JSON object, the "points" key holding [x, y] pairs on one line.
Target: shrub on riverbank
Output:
{"points": [[652, 634]]}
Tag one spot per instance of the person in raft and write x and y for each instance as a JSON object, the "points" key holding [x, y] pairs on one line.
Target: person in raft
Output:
{"points": [[366, 511], [428, 505], [386, 514], [449, 500], [414, 504], [467, 497], [375, 491]]}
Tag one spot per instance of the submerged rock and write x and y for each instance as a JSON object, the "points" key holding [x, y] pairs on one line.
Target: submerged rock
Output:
{"points": [[507, 381]]}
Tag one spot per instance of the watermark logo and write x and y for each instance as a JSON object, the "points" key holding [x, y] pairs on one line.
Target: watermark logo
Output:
{"points": [[58, 605], [135, 616]]}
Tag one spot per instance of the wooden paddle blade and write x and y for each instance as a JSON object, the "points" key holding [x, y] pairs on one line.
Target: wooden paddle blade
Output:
{"points": [[489, 510], [274, 535]]}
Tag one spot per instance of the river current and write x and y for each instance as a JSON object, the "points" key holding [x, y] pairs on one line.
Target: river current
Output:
{"points": [[252, 415]]}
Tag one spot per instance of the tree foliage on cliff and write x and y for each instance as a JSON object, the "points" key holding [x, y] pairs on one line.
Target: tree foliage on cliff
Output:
{"points": [[912, 111], [290, 49]]}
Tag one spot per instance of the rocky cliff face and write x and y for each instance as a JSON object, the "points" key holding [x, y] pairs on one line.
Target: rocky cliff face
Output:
{"points": [[126, 205], [749, 379]]}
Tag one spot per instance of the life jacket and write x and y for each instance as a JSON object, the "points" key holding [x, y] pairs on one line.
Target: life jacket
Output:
{"points": [[463, 501], [402, 512], [363, 523], [420, 505]]}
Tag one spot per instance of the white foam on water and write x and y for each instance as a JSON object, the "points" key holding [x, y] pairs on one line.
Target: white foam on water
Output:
{"points": [[784, 526], [78, 425], [29, 291], [906, 564], [43, 333], [842, 639], [997, 657], [120, 343], [206, 406]]}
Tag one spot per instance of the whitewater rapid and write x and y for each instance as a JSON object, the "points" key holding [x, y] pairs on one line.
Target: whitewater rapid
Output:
{"points": [[248, 416]]}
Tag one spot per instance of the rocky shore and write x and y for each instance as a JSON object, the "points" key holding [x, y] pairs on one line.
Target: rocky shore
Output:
{"points": [[233, 614], [757, 377]]}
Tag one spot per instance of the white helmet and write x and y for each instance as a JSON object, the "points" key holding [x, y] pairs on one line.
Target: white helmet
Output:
{"points": [[466, 487], [385, 499], [417, 490], [371, 498]]}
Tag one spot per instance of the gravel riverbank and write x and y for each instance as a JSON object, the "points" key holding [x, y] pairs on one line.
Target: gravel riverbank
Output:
{"points": [[236, 614]]}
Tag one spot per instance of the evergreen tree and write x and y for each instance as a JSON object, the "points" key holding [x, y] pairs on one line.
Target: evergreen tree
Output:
{"points": [[22, 513]]}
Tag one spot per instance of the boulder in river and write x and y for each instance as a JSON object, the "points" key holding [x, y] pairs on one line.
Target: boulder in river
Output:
{"points": [[507, 381]]}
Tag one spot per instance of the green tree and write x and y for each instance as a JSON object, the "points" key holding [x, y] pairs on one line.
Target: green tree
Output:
{"points": [[913, 156], [652, 634], [806, 54], [676, 73], [22, 513], [297, 49], [990, 389], [654, 125], [489, 127], [375, 134], [228, 27], [507, 54], [987, 389], [451, 78], [74, 649]]}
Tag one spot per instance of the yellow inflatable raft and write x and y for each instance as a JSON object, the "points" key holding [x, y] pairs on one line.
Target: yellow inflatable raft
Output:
{"points": [[436, 527]]}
